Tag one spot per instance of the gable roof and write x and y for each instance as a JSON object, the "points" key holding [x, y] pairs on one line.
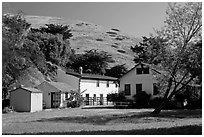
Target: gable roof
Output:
{"points": [[143, 64], [29, 89], [91, 76]]}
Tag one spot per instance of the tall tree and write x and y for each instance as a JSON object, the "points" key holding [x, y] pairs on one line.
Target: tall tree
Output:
{"points": [[91, 61], [182, 31], [14, 29], [176, 48]]}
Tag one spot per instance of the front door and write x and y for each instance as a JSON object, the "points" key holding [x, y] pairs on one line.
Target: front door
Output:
{"points": [[55, 99]]}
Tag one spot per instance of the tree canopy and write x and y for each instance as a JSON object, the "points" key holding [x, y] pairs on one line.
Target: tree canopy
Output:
{"points": [[92, 61], [24, 47], [176, 48]]}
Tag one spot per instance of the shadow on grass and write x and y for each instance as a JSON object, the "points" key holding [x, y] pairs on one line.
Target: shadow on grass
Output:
{"points": [[185, 130], [140, 117]]}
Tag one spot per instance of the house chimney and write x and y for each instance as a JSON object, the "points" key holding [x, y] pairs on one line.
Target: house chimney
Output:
{"points": [[80, 70]]}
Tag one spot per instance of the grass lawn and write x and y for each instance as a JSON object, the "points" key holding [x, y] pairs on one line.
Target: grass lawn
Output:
{"points": [[103, 122]]}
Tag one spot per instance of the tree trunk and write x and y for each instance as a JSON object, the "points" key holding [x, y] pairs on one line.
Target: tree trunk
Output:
{"points": [[158, 109]]}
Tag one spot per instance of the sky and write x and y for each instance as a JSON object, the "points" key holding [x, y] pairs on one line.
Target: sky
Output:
{"points": [[135, 18]]}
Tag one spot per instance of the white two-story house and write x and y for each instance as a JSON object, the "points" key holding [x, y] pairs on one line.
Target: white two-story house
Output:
{"points": [[139, 78], [94, 88]]}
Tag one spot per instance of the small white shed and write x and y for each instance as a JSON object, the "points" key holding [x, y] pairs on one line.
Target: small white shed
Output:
{"points": [[26, 99]]}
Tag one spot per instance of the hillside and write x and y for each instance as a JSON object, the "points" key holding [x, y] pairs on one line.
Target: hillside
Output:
{"points": [[87, 36]]}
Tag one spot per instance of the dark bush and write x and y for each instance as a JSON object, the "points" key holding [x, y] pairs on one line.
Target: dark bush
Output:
{"points": [[119, 38], [99, 39], [110, 32], [115, 29], [155, 102], [142, 100], [194, 104], [121, 51], [5, 103], [116, 97], [115, 46]]}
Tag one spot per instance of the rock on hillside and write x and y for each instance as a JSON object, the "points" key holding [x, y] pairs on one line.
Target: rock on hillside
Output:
{"points": [[87, 36]]}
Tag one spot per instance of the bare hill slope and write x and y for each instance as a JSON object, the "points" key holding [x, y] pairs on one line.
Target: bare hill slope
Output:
{"points": [[87, 36]]}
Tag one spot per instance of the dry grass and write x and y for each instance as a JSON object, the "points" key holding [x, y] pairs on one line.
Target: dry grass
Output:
{"points": [[102, 121], [87, 36]]}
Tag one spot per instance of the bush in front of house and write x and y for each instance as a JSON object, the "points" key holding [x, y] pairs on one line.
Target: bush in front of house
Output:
{"points": [[156, 101], [142, 100], [5, 103], [116, 97]]}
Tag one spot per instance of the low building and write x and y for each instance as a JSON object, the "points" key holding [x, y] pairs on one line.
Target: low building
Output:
{"points": [[26, 99], [94, 88], [55, 93], [139, 78]]}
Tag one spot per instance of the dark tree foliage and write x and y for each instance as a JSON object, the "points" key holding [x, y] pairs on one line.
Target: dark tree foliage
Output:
{"points": [[148, 50], [176, 49], [14, 29], [23, 48], [117, 71], [91, 61], [56, 29], [54, 48], [142, 99]]}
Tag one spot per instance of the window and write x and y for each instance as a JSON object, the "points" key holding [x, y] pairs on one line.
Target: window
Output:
{"points": [[139, 70], [97, 83], [146, 70], [143, 70], [107, 84], [138, 88], [127, 89], [155, 90]]}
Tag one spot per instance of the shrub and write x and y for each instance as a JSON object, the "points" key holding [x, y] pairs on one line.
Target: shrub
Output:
{"points": [[115, 46], [142, 100], [115, 29], [116, 97], [121, 51], [7, 109], [155, 102], [99, 39], [5, 103], [110, 32]]}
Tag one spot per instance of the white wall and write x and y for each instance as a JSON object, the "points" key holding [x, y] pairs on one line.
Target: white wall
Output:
{"points": [[36, 102], [91, 87], [69, 79], [132, 78], [20, 100]]}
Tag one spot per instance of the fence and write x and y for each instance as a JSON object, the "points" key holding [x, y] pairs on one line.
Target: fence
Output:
{"points": [[94, 101]]}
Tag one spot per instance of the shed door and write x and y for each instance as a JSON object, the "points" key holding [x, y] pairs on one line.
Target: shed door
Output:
{"points": [[55, 99]]}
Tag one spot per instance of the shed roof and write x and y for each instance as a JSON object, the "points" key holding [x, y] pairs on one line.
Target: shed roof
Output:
{"points": [[29, 89]]}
